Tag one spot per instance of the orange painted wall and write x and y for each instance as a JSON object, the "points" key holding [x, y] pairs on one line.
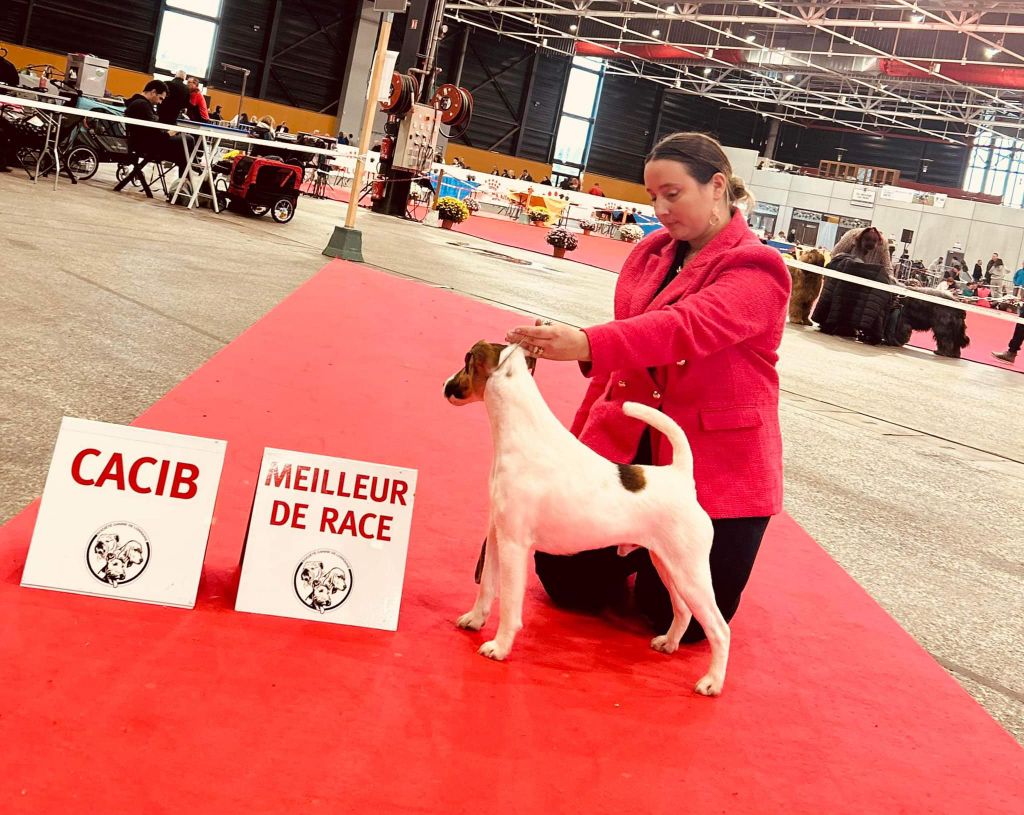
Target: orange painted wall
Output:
{"points": [[122, 82], [484, 161]]}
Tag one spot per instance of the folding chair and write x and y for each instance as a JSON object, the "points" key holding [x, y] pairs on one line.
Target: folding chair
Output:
{"points": [[138, 162]]}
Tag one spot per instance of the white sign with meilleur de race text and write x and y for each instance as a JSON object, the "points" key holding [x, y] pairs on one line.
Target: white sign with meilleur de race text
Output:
{"points": [[327, 540], [126, 513]]}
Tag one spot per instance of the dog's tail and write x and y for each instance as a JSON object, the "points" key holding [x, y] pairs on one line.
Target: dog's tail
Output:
{"points": [[682, 457]]}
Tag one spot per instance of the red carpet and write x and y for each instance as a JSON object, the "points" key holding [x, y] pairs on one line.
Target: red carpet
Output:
{"points": [[111, 707], [594, 250]]}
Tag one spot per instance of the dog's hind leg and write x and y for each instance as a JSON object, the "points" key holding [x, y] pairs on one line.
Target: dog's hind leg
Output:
{"points": [[476, 617], [693, 583], [512, 566], [668, 643]]}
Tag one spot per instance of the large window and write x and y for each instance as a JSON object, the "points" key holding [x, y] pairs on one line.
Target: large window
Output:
{"points": [[187, 34], [572, 144], [997, 168]]}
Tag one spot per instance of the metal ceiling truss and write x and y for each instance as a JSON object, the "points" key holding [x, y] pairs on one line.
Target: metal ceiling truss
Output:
{"points": [[817, 60]]}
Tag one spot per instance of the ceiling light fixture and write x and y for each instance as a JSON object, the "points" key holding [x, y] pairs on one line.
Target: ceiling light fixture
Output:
{"points": [[707, 72], [991, 52], [670, 9], [917, 18], [790, 77], [656, 32], [572, 27], [751, 38]]}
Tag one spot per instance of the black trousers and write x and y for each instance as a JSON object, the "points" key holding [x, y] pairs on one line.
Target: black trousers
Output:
{"points": [[1018, 334], [590, 581]]}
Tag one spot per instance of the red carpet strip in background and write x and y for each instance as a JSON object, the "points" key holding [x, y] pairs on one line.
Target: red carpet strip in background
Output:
{"points": [[111, 707]]}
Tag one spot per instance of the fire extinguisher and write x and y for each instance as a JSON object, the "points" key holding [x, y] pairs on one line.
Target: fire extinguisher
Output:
{"points": [[387, 147], [377, 193]]}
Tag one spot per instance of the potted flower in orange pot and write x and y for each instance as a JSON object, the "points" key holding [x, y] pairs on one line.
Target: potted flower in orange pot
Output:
{"points": [[538, 216], [451, 211], [631, 233], [588, 226], [563, 241]]}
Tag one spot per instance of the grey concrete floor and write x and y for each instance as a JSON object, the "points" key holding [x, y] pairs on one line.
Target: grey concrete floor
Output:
{"points": [[908, 469]]}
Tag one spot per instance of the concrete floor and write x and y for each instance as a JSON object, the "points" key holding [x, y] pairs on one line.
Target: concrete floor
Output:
{"points": [[907, 468]]}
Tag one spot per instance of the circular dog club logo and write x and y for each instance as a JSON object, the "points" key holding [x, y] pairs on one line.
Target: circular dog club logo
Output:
{"points": [[118, 553], [323, 580]]}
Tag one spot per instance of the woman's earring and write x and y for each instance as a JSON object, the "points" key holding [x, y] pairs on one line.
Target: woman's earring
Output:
{"points": [[714, 217]]}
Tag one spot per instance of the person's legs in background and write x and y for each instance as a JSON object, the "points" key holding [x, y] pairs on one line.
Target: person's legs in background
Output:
{"points": [[1016, 341], [733, 552]]}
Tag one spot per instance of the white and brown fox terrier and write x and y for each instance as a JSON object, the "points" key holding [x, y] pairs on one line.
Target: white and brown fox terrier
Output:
{"points": [[551, 493]]}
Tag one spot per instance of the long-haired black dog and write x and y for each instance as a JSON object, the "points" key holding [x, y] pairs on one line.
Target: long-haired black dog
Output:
{"points": [[948, 325]]}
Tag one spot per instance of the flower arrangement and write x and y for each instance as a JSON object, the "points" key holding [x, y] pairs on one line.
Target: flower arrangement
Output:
{"points": [[587, 225], [631, 233], [538, 215], [451, 210], [562, 239], [472, 205]]}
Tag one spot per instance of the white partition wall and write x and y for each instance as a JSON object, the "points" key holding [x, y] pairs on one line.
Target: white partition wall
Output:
{"points": [[980, 228]]}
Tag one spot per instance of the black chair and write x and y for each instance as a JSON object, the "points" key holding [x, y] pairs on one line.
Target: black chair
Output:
{"points": [[138, 162]]}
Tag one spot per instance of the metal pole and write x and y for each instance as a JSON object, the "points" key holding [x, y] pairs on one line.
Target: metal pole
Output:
{"points": [[241, 99], [428, 62], [368, 111]]}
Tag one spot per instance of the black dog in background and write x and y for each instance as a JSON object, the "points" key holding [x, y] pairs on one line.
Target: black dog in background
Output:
{"points": [[948, 325]]}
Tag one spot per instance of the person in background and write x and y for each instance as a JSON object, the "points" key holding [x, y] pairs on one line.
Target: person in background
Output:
{"points": [[867, 245], [282, 128], [264, 128], [977, 270], [596, 190], [197, 110], [992, 261], [1018, 282], [525, 176], [496, 171], [572, 183], [216, 115], [342, 138], [1010, 354], [937, 269], [546, 181], [791, 237], [175, 100], [703, 290], [996, 277], [149, 142]]}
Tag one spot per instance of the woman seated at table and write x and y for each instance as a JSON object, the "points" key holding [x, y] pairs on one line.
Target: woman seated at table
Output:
{"points": [[264, 129]]}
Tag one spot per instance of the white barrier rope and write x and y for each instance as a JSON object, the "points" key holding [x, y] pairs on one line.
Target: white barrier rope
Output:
{"points": [[194, 130], [905, 291]]}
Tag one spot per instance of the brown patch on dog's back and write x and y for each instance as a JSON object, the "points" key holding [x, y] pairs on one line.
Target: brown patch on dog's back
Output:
{"points": [[632, 477]]}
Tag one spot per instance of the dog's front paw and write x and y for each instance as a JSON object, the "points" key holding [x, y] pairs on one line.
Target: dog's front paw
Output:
{"points": [[472, 621], [664, 645], [709, 685], [492, 650]]}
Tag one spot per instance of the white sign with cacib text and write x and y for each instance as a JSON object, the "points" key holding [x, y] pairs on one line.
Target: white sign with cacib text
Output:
{"points": [[327, 540], [126, 513]]}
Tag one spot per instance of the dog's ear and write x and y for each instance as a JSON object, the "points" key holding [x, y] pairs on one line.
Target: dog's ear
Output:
{"points": [[483, 358], [531, 363]]}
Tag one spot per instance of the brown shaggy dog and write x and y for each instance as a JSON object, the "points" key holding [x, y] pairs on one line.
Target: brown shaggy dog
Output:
{"points": [[806, 288]]}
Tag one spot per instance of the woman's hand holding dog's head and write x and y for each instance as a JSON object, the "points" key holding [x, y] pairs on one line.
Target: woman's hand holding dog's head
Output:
{"points": [[545, 340]]}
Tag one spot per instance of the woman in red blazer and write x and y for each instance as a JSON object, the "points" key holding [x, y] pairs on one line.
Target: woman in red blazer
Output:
{"points": [[700, 308]]}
